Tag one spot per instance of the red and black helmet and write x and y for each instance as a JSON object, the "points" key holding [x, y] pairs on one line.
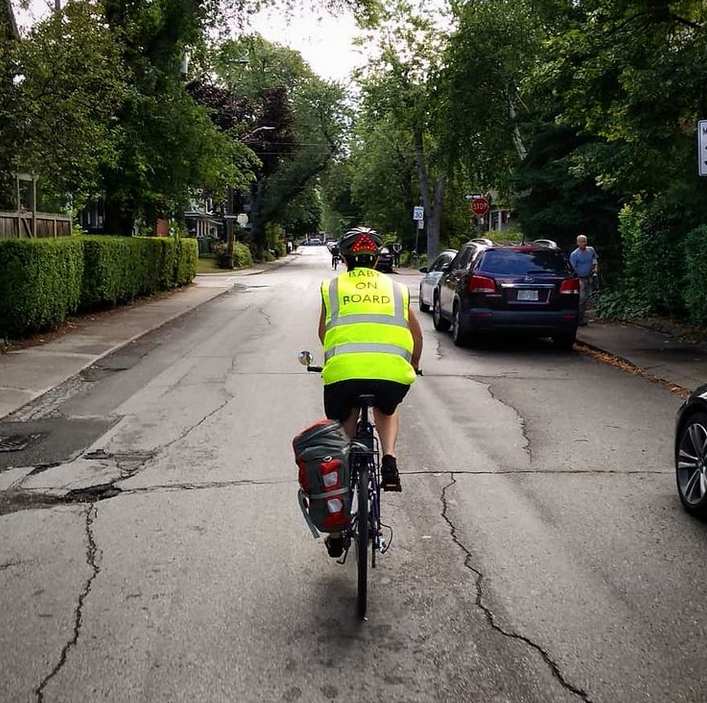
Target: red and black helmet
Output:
{"points": [[360, 241]]}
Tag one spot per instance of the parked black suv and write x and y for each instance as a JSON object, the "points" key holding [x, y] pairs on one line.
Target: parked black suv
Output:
{"points": [[528, 289]]}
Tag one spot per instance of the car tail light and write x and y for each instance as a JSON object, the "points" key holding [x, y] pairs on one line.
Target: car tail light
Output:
{"points": [[570, 286], [481, 284]]}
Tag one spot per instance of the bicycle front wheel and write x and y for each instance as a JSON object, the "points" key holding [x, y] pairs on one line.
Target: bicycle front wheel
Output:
{"points": [[362, 541]]}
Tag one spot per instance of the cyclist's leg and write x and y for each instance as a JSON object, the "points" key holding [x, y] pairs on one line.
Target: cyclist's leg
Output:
{"points": [[388, 396], [388, 427]]}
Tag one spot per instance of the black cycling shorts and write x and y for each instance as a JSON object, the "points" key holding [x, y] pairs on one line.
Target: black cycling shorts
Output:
{"points": [[341, 398]]}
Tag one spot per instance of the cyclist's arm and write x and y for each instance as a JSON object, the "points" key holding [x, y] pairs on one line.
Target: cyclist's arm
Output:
{"points": [[322, 324], [416, 332]]}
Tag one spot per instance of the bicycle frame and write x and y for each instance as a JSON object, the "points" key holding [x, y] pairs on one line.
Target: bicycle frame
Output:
{"points": [[365, 452]]}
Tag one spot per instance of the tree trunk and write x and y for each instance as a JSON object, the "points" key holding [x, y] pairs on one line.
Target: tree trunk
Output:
{"points": [[256, 213], [435, 220], [117, 220], [432, 202]]}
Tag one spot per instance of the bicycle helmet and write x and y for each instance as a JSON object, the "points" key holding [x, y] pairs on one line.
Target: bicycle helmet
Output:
{"points": [[361, 241]]}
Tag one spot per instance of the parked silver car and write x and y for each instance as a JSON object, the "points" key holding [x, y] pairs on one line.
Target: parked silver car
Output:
{"points": [[432, 276]]}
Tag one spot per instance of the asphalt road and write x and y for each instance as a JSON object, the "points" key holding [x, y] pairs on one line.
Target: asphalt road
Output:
{"points": [[151, 547]]}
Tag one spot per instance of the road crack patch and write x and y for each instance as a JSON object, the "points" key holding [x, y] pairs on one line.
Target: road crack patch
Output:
{"points": [[486, 610], [525, 432], [92, 552]]}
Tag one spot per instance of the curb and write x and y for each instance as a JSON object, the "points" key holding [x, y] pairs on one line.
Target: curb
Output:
{"points": [[627, 366]]}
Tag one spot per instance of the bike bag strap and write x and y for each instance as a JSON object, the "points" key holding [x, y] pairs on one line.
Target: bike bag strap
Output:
{"points": [[302, 499]]}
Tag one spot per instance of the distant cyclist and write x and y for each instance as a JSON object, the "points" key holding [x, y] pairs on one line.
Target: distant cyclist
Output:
{"points": [[372, 345], [335, 255]]}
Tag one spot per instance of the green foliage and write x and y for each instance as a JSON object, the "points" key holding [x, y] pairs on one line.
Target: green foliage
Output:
{"points": [[653, 263], [242, 256], [56, 118], [695, 285], [118, 269], [185, 262], [309, 116], [40, 283]]}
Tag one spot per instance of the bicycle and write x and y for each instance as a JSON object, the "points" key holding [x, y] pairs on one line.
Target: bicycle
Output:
{"points": [[365, 527]]}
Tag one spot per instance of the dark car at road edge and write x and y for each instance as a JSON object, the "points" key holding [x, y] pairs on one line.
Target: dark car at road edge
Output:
{"points": [[527, 289], [691, 453]]}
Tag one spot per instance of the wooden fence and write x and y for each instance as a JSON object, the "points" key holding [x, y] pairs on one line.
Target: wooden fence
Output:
{"points": [[27, 224]]}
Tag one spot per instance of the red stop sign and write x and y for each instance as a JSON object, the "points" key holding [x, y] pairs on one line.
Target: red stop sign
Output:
{"points": [[479, 206]]}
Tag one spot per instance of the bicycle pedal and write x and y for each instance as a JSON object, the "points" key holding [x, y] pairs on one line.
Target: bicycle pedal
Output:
{"points": [[394, 487]]}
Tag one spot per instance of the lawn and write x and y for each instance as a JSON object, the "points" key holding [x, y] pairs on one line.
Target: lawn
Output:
{"points": [[207, 264]]}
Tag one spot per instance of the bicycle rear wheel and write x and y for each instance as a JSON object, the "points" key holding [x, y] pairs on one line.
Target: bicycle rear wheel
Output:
{"points": [[362, 541]]}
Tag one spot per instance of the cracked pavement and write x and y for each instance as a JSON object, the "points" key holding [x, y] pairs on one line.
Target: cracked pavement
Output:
{"points": [[151, 546]]}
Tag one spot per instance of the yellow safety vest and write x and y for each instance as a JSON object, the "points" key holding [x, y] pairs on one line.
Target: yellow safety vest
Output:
{"points": [[367, 334]]}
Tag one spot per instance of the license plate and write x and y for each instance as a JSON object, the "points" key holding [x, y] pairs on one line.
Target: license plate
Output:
{"points": [[528, 295]]}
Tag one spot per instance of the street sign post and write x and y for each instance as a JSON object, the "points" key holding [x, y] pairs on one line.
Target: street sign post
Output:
{"points": [[702, 147], [418, 213]]}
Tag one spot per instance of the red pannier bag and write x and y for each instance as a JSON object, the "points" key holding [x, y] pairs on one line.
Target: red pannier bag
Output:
{"points": [[322, 456]]}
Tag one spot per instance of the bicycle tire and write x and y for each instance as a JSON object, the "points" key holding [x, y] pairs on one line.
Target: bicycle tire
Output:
{"points": [[362, 543]]}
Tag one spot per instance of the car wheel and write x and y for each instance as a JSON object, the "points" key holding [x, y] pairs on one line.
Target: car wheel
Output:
{"points": [[424, 307], [441, 325], [565, 341], [691, 465], [460, 331]]}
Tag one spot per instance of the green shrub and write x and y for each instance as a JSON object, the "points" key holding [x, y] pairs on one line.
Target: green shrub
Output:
{"points": [[40, 283], [242, 257], [694, 288], [118, 269], [186, 256], [652, 271]]}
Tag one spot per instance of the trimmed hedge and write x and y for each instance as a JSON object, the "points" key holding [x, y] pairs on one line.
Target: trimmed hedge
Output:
{"points": [[42, 281], [186, 260], [695, 286]]}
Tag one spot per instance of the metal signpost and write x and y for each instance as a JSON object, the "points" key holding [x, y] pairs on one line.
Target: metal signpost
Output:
{"points": [[702, 147], [418, 214]]}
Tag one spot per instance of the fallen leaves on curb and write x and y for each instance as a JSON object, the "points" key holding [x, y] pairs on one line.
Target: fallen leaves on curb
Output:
{"points": [[628, 367]]}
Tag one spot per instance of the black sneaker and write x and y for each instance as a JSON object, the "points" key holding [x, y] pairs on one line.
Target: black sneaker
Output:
{"points": [[334, 545], [389, 474]]}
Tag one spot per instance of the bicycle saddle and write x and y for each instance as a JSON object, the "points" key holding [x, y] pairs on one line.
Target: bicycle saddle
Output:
{"points": [[367, 400]]}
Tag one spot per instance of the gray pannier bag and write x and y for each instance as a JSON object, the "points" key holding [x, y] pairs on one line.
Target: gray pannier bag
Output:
{"points": [[322, 456]]}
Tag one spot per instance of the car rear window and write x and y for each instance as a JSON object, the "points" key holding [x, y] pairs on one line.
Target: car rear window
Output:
{"points": [[514, 263]]}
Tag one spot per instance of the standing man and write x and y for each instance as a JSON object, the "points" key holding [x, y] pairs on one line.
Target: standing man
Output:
{"points": [[584, 261], [397, 248]]}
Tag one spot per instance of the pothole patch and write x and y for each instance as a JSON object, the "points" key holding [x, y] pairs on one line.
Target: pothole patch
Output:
{"points": [[19, 442]]}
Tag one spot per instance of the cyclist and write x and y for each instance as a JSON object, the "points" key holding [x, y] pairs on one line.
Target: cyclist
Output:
{"points": [[335, 255], [372, 345]]}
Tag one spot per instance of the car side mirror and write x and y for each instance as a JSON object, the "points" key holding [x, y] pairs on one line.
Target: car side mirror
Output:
{"points": [[305, 358], [423, 269]]}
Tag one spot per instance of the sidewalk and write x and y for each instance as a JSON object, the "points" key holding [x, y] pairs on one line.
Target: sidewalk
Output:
{"points": [[26, 374], [661, 355]]}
